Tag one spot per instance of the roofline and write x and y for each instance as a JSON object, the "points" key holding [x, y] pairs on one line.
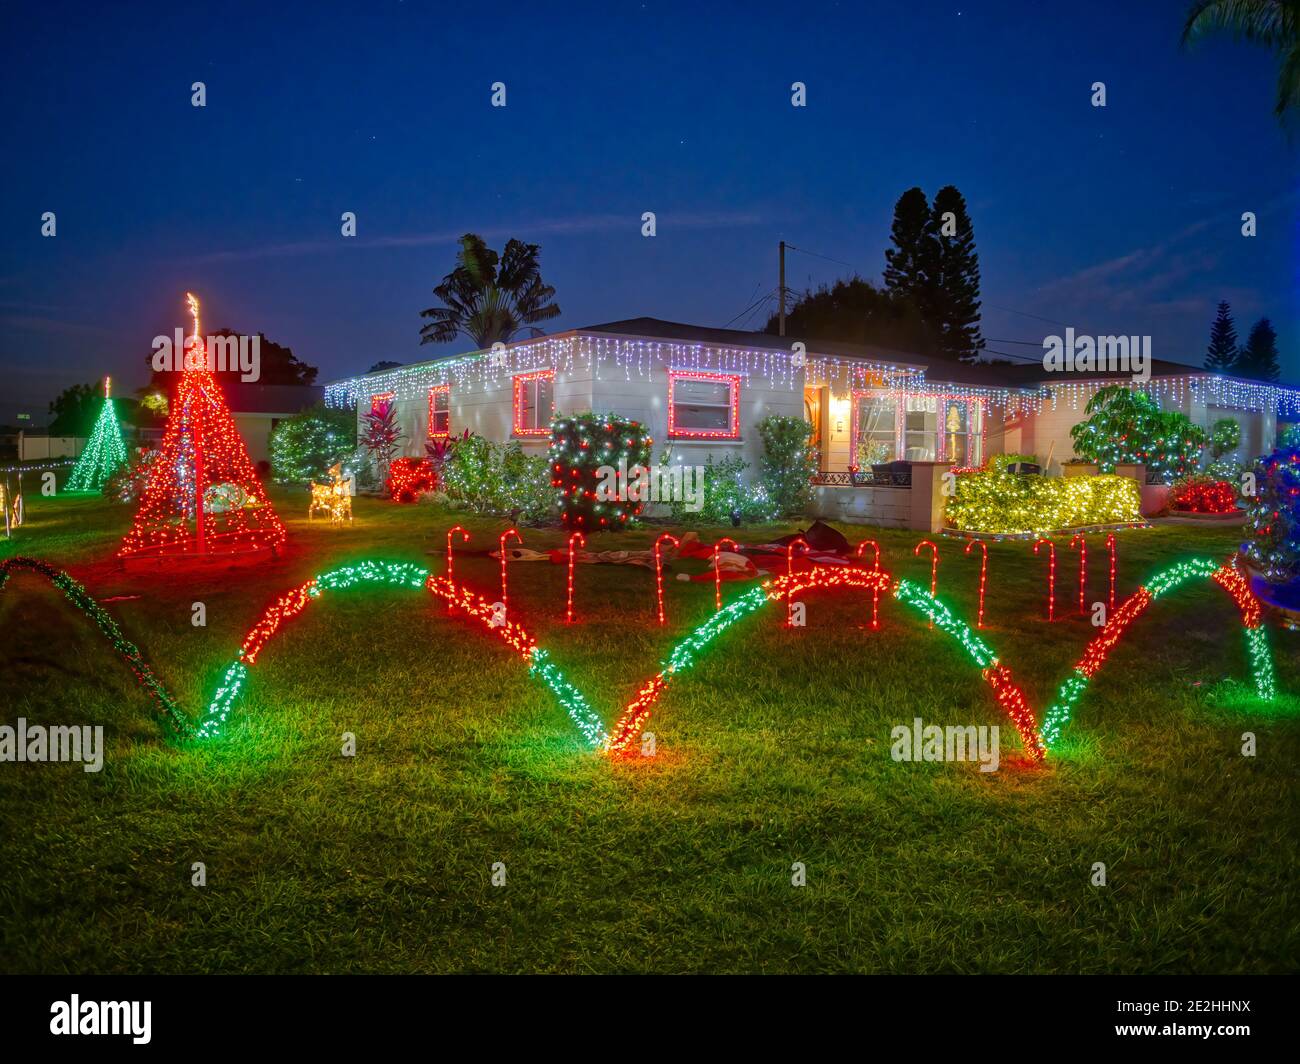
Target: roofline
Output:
{"points": [[914, 367]]}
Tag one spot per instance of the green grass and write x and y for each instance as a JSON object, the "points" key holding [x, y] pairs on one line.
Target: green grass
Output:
{"points": [[774, 749]]}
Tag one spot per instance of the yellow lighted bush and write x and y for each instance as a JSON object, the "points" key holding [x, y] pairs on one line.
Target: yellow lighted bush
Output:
{"points": [[1012, 504]]}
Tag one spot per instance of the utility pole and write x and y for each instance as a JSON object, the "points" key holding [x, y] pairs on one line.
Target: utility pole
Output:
{"points": [[781, 284]]}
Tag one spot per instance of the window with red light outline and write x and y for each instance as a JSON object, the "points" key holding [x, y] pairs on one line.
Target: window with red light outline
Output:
{"points": [[379, 404], [973, 404], [519, 386], [436, 433], [732, 380]]}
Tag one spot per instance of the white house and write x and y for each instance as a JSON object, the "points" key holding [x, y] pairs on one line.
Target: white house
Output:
{"points": [[702, 391]]}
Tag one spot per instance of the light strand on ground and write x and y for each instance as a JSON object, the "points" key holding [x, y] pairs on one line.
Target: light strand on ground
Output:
{"points": [[128, 651], [1226, 576]]}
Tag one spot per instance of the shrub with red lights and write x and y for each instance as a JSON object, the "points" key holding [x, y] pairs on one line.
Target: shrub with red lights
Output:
{"points": [[409, 478], [1203, 495], [600, 468]]}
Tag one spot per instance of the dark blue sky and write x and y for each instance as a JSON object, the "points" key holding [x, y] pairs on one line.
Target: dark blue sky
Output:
{"points": [[1116, 220]]}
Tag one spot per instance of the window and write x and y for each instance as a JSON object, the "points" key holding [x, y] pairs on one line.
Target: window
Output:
{"points": [[440, 411], [963, 432], [703, 406], [874, 429], [920, 428], [916, 428], [379, 404], [534, 403]]}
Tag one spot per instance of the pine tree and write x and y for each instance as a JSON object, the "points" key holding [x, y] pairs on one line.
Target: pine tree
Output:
{"points": [[104, 451], [1221, 355], [955, 283], [911, 262], [1258, 359]]}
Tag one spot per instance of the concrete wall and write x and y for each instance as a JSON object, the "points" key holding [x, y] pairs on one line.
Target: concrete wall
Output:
{"points": [[255, 431], [488, 410], [31, 448], [919, 506]]}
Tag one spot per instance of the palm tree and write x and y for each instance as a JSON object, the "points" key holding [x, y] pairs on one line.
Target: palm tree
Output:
{"points": [[1272, 23], [489, 298]]}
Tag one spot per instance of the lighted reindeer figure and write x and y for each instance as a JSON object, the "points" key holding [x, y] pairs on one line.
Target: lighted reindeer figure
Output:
{"points": [[332, 498]]}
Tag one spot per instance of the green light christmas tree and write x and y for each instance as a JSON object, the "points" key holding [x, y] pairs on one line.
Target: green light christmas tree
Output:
{"points": [[104, 452]]}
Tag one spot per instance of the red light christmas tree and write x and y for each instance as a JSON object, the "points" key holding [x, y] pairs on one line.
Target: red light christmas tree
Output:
{"points": [[202, 498]]}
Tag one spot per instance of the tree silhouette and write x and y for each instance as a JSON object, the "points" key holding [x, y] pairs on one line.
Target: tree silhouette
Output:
{"points": [[1222, 352], [489, 297]]}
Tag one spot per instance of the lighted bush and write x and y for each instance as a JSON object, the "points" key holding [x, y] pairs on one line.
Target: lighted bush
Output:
{"points": [[788, 462], [581, 444], [409, 478], [304, 446], [1203, 495], [727, 497], [1128, 426], [499, 480], [1015, 504]]}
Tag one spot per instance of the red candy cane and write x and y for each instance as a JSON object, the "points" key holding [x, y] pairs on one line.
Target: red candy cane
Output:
{"points": [[1083, 568], [568, 614], [717, 573], [505, 599], [450, 576], [464, 538], [875, 591], [789, 572], [984, 571], [659, 572], [1110, 546], [934, 567], [1051, 576]]}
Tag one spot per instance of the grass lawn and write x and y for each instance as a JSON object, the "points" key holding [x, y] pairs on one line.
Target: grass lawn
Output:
{"points": [[774, 749]]}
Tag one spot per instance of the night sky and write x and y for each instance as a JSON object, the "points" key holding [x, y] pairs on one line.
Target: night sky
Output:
{"points": [[1117, 220]]}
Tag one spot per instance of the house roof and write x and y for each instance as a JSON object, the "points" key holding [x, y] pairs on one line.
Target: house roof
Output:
{"points": [[245, 398], [990, 374], [1026, 378]]}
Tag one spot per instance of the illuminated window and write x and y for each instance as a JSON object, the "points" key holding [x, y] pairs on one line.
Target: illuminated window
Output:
{"points": [[380, 404], [534, 403], [703, 406], [440, 411], [921, 428], [963, 432], [916, 428], [874, 429]]}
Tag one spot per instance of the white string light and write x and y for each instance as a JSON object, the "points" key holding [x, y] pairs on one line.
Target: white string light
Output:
{"points": [[564, 354]]}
